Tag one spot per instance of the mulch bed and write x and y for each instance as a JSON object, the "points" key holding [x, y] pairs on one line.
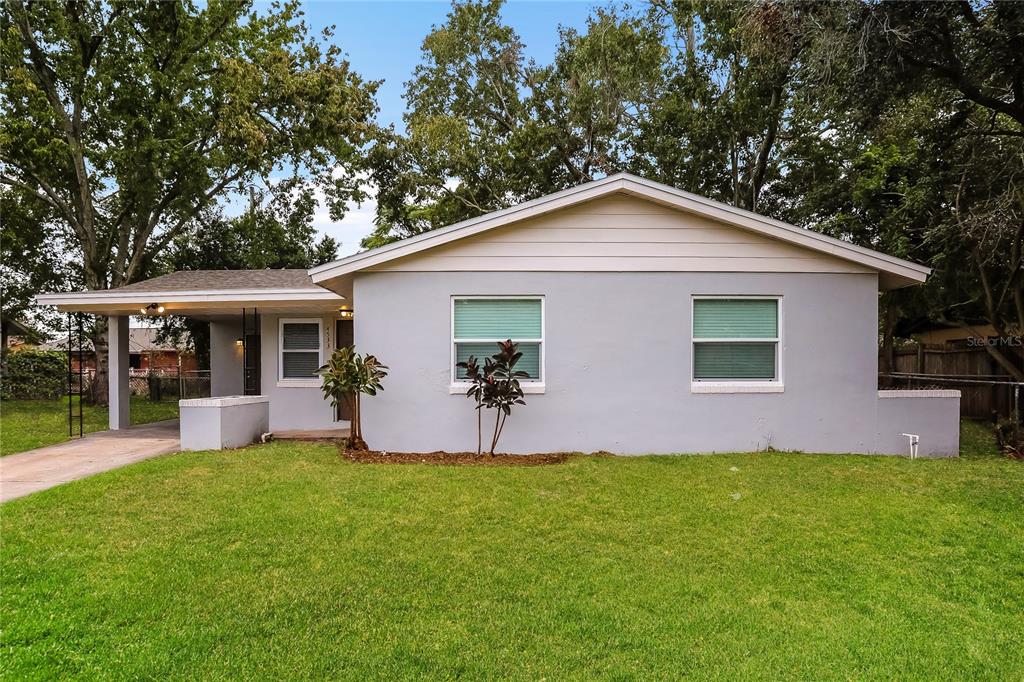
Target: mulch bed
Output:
{"points": [[452, 458]]}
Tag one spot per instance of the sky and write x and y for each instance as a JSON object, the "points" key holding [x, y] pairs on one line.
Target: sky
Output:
{"points": [[382, 40]]}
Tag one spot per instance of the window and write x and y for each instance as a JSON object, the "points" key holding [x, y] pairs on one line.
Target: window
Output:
{"points": [[300, 350], [736, 340], [479, 323]]}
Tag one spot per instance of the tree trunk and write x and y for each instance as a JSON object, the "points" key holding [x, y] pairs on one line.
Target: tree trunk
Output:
{"points": [[890, 313], [359, 417], [1005, 361], [100, 385], [355, 432], [494, 440]]}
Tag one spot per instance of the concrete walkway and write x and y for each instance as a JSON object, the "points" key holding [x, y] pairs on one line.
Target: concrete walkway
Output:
{"points": [[27, 472]]}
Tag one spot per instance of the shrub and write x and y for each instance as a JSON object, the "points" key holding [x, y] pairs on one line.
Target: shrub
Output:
{"points": [[34, 375], [1010, 436], [495, 387], [347, 375]]}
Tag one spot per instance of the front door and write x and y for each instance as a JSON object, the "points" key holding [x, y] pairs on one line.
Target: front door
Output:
{"points": [[343, 336], [251, 382]]}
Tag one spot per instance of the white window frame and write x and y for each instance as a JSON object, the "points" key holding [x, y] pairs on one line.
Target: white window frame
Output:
{"points": [[459, 387], [776, 385], [296, 382]]}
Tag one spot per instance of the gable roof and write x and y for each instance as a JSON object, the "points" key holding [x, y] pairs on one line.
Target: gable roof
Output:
{"points": [[894, 272]]}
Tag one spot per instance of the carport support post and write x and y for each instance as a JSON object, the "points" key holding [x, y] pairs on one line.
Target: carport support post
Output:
{"points": [[119, 393]]}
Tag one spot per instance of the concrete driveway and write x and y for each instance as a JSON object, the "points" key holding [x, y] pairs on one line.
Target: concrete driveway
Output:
{"points": [[28, 472]]}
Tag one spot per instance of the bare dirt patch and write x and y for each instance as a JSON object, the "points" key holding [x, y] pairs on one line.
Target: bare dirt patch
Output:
{"points": [[452, 458]]}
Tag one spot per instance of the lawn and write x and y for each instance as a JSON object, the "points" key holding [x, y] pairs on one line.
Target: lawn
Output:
{"points": [[282, 561], [27, 424]]}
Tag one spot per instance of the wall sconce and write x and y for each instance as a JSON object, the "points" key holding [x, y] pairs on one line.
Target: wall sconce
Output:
{"points": [[152, 309], [239, 342], [346, 313]]}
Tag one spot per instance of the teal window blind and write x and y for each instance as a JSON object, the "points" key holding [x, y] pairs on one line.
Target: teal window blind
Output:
{"points": [[735, 339], [529, 363], [734, 318], [734, 361], [481, 322]]}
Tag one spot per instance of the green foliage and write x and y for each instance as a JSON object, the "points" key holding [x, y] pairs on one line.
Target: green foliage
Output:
{"points": [[1010, 436], [274, 232], [34, 375], [32, 259], [129, 134], [977, 439], [495, 387], [346, 377], [487, 130], [277, 234], [897, 126]]}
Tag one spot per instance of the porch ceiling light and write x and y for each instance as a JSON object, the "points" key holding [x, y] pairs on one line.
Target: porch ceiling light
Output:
{"points": [[152, 309], [346, 313]]}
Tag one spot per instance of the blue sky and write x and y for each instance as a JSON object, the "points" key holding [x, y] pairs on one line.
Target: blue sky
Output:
{"points": [[382, 40]]}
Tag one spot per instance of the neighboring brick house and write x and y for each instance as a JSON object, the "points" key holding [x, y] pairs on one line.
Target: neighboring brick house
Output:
{"points": [[144, 353]]}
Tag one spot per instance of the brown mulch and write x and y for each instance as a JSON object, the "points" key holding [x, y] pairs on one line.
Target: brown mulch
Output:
{"points": [[452, 458]]}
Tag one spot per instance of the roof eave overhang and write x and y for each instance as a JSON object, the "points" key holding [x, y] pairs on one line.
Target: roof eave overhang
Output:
{"points": [[183, 301], [895, 272]]}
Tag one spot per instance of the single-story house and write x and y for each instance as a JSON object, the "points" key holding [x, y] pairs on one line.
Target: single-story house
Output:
{"points": [[146, 353], [15, 333], [950, 336], [651, 320]]}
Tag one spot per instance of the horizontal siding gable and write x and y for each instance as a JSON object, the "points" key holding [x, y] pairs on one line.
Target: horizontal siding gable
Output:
{"points": [[620, 233]]}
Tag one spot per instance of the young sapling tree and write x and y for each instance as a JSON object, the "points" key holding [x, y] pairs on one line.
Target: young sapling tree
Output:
{"points": [[346, 376]]}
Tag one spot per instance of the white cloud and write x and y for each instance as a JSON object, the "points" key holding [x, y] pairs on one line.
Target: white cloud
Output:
{"points": [[350, 230]]}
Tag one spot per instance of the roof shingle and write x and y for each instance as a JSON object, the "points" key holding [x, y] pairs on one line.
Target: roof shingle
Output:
{"points": [[220, 280]]}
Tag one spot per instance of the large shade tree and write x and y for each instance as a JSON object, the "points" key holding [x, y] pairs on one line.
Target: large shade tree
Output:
{"points": [[937, 91], [895, 125], [270, 234], [127, 120], [485, 128]]}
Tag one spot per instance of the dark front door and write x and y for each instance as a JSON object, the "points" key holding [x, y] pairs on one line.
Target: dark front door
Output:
{"points": [[343, 336], [251, 383]]}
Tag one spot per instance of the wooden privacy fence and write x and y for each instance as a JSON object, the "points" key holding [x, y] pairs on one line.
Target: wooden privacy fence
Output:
{"points": [[986, 389]]}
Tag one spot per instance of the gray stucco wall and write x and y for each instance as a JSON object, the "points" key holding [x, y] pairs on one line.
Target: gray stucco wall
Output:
{"points": [[293, 407], [934, 415], [208, 426], [225, 358], [618, 354]]}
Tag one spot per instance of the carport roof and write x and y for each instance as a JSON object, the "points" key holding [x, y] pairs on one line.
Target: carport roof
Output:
{"points": [[219, 280], [205, 293]]}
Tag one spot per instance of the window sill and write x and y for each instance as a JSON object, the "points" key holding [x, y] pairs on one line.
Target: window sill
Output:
{"points": [[460, 389], [737, 387], [298, 383]]}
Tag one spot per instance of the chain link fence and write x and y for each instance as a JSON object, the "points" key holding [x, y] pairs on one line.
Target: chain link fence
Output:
{"points": [[160, 385], [156, 385]]}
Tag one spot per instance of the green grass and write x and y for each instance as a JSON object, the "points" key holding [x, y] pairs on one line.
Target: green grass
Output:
{"points": [[28, 424], [978, 439], [282, 561]]}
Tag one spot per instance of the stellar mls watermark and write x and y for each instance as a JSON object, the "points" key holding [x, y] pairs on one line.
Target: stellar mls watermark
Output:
{"points": [[1000, 341]]}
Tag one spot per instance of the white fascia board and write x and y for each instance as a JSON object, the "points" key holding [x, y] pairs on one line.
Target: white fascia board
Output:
{"points": [[200, 296], [777, 229], [636, 186]]}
